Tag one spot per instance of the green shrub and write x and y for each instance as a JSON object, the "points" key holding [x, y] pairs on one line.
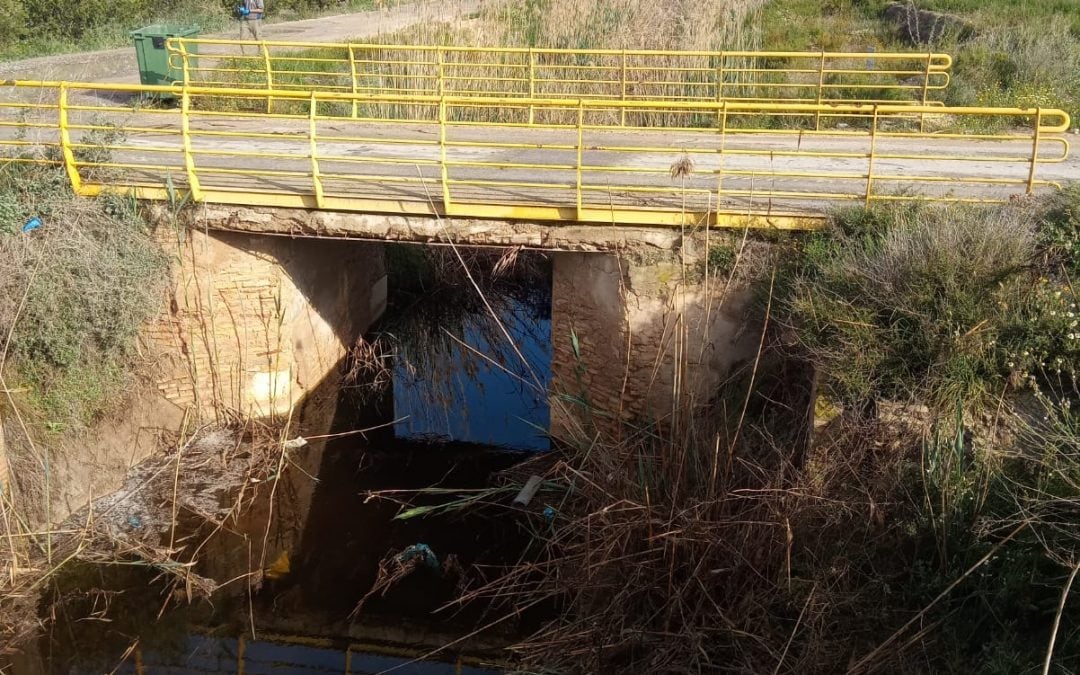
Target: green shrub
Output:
{"points": [[721, 258], [73, 294], [12, 21], [1023, 65], [1059, 234], [936, 305]]}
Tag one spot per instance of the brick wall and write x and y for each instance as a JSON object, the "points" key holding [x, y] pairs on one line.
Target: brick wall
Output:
{"points": [[255, 322], [650, 341]]}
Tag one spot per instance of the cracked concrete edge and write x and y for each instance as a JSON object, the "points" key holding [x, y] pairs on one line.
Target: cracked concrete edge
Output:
{"points": [[301, 223]]}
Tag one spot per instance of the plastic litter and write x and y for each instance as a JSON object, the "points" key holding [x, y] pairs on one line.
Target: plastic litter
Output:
{"points": [[422, 551], [32, 224], [549, 514], [134, 521], [529, 491], [295, 443]]}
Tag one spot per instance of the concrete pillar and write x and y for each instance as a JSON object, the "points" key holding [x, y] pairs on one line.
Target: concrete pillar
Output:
{"points": [[257, 322], [259, 325], [652, 338], [252, 326]]}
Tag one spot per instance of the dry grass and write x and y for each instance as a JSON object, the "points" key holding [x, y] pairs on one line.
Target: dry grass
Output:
{"points": [[715, 544], [557, 24], [656, 567], [73, 294]]}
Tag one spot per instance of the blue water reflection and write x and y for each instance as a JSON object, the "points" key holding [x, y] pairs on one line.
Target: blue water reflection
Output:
{"points": [[499, 400]]}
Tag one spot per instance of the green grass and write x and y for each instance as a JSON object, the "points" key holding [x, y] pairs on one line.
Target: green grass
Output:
{"points": [[944, 306], [74, 294], [1000, 14], [1021, 54]]}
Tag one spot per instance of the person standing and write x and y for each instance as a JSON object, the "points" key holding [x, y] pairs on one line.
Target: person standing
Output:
{"points": [[251, 14]]}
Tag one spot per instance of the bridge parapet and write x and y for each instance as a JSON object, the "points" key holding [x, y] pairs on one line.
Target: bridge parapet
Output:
{"points": [[622, 75], [728, 161]]}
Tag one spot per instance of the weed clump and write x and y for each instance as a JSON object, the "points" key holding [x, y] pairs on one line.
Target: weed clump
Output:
{"points": [[936, 305], [73, 293]]}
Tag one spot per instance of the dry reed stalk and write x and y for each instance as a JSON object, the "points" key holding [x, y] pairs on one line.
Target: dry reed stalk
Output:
{"points": [[1057, 618], [139, 524], [590, 24], [660, 567]]}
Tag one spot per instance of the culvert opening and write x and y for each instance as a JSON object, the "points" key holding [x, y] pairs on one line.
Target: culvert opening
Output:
{"points": [[462, 354]]}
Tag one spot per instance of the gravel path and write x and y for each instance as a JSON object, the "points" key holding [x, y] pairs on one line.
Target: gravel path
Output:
{"points": [[118, 65]]}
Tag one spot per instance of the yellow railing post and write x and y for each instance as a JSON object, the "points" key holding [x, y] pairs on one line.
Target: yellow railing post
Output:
{"points": [[1035, 137], [70, 165], [720, 92], [925, 91], [269, 76], [444, 170], [926, 79], [871, 155], [722, 113], [622, 95], [580, 156], [316, 180], [820, 91], [440, 74], [184, 61], [189, 156], [532, 85], [355, 83]]}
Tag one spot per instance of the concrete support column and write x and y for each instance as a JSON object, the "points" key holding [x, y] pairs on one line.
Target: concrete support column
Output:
{"points": [[652, 339], [257, 322]]}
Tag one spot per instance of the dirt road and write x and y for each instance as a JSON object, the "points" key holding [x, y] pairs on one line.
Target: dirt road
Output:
{"points": [[118, 65]]}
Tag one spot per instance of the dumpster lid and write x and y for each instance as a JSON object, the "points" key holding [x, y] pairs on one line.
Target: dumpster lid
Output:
{"points": [[165, 30]]}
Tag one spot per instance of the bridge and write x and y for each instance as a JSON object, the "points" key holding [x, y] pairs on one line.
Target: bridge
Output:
{"points": [[616, 138], [572, 151]]}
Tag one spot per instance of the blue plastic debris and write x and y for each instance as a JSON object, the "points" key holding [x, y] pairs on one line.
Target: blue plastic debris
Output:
{"points": [[419, 550], [134, 521], [549, 514], [32, 224]]}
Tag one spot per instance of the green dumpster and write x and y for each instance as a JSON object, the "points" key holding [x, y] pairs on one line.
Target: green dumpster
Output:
{"points": [[153, 57]]}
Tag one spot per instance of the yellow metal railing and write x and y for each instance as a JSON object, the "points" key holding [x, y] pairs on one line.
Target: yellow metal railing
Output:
{"points": [[622, 75], [585, 170]]}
